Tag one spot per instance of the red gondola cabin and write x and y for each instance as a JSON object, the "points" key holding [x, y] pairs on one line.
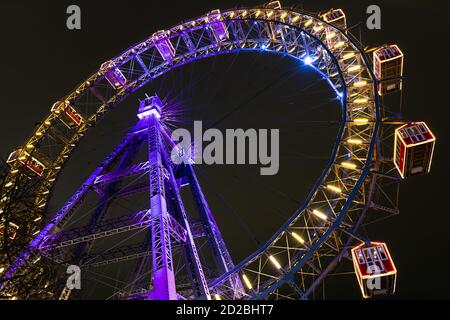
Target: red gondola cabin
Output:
{"points": [[388, 68], [164, 46], [218, 27], [374, 268], [69, 116], [11, 230], [336, 17], [413, 149], [28, 161], [114, 76]]}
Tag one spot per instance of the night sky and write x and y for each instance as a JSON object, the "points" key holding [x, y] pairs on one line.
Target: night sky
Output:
{"points": [[42, 61]]}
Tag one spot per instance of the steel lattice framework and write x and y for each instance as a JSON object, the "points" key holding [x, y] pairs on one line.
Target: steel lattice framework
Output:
{"points": [[304, 250]]}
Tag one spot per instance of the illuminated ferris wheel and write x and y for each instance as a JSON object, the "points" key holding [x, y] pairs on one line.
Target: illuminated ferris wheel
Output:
{"points": [[371, 150]]}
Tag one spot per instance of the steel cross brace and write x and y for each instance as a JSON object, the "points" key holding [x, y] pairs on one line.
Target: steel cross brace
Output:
{"points": [[64, 213], [221, 254], [110, 228], [192, 256]]}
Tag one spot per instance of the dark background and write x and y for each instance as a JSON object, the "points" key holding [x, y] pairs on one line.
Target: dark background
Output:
{"points": [[42, 61]]}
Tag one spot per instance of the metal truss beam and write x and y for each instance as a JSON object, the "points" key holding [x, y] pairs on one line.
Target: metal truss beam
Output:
{"points": [[107, 197], [126, 253], [198, 279], [134, 170], [139, 221]]}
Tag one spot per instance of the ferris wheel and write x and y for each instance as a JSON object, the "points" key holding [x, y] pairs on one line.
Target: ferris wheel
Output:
{"points": [[321, 234]]}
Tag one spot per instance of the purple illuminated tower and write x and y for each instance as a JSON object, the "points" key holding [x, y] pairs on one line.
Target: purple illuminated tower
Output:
{"points": [[163, 273], [170, 232], [161, 174]]}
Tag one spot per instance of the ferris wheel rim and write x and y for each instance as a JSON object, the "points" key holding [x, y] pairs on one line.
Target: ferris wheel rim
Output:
{"points": [[364, 173]]}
